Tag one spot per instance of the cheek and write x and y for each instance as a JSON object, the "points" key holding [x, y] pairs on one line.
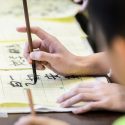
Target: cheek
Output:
{"points": [[118, 67]]}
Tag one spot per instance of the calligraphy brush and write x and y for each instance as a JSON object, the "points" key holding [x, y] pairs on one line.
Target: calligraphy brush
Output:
{"points": [[29, 37], [30, 99]]}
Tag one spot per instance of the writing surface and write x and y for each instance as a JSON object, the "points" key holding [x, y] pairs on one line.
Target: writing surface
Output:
{"points": [[45, 92], [58, 29], [40, 8]]}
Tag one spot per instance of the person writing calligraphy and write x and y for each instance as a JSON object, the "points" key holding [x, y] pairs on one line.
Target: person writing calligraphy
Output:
{"points": [[107, 19]]}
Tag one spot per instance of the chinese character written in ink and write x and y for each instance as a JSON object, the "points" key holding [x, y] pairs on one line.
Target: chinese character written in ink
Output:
{"points": [[14, 83], [17, 60], [30, 78], [51, 76], [14, 49], [72, 77]]}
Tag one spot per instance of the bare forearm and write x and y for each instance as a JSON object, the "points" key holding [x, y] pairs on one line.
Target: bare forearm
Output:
{"points": [[96, 64]]}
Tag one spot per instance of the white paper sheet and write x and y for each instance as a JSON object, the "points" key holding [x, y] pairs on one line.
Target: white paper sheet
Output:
{"points": [[40, 8]]}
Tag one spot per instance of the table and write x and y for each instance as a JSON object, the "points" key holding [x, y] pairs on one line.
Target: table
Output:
{"points": [[91, 118]]}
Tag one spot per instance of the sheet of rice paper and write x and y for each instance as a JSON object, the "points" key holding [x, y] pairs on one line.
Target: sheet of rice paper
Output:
{"points": [[40, 8]]}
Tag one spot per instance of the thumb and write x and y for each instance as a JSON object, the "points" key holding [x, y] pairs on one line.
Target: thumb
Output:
{"points": [[41, 56]]}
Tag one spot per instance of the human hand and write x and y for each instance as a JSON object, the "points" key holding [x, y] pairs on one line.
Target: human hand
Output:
{"points": [[96, 96], [51, 53], [31, 120]]}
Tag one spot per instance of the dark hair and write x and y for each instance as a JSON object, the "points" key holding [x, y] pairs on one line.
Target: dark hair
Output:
{"points": [[109, 15]]}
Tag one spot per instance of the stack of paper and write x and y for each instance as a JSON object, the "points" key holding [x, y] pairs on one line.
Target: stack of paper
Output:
{"points": [[16, 73]]}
